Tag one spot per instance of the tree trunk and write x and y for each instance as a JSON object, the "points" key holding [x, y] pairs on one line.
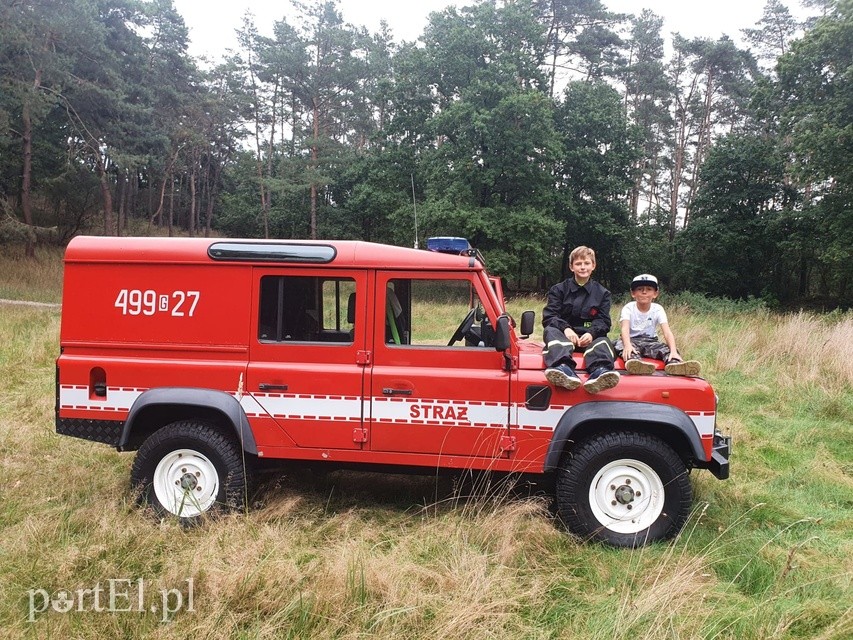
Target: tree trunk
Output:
{"points": [[171, 205], [703, 142], [106, 195], [314, 163], [259, 161], [26, 182], [678, 162], [554, 55], [159, 211], [121, 198], [192, 221], [270, 158], [653, 184], [634, 196], [167, 176], [682, 115], [133, 193], [208, 218]]}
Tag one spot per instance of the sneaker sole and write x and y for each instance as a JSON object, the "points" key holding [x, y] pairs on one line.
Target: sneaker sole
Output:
{"points": [[688, 368], [560, 379], [639, 368], [604, 381]]}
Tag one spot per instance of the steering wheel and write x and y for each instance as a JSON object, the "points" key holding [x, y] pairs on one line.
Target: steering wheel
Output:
{"points": [[464, 327]]}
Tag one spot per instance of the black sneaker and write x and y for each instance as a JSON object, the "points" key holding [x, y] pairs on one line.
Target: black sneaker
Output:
{"points": [[601, 379], [563, 376]]}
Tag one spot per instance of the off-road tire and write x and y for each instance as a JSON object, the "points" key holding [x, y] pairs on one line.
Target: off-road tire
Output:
{"points": [[609, 488], [187, 452]]}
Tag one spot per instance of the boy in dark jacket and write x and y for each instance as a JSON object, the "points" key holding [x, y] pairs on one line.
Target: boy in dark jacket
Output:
{"points": [[577, 318]]}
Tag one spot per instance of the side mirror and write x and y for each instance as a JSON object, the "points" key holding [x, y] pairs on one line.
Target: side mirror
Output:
{"points": [[528, 319], [502, 342]]}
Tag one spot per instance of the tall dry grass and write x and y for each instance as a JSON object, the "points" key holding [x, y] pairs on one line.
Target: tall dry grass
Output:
{"points": [[767, 554], [796, 348], [38, 279]]}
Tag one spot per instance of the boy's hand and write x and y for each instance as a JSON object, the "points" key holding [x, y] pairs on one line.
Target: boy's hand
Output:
{"points": [[572, 336], [584, 340], [627, 350]]}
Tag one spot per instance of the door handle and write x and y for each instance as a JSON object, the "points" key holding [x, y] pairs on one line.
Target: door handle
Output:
{"points": [[396, 392], [266, 386]]}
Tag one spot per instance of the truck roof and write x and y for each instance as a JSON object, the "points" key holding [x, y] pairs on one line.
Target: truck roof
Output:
{"points": [[335, 253]]}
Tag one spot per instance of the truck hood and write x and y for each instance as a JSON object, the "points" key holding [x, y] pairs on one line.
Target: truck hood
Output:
{"points": [[530, 354]]}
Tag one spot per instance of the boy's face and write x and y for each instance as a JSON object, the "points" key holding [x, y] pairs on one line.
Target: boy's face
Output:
{"points": [[644, 294], [582, 268]]}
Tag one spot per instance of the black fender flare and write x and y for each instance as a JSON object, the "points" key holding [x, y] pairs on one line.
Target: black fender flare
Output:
{"points": [[625, 413], [188, 398]]}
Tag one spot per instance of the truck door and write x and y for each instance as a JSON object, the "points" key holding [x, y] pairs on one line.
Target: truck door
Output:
{"points": [[426, 395], [306, 369]]}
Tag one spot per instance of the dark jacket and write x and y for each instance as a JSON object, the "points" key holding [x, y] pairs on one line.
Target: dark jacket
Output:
{"points": [[586, 309]]}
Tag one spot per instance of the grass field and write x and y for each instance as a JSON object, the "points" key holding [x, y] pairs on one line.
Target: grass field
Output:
{"points": [[767, 554]]}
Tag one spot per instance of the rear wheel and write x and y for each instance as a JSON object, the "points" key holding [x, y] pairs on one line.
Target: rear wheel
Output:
{"points": [[190, 468], [624, 488]]}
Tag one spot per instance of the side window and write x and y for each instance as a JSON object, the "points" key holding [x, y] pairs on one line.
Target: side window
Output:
{"points": [[306, 309], [431, 313]]}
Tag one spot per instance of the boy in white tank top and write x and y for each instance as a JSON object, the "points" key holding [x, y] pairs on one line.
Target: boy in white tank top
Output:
{"points": [[639, 322]]}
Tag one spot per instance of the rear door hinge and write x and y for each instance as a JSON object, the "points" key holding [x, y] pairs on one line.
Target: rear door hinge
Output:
{"points": [[359, 435], [362, 357]]}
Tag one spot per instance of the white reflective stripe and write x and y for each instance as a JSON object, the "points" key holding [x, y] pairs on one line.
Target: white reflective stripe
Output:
{"points": [[704, 422], [308, 407], [434, 412], [567, 345], [604, 344], [77, 397], [351, 408], [539, 420], [251, 407]]}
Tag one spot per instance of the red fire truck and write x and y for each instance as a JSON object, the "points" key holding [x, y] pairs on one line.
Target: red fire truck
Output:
{"points": [[209, 356]]}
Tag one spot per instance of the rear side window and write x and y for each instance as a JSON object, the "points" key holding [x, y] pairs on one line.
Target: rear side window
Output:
{"points": [[306, 309]]}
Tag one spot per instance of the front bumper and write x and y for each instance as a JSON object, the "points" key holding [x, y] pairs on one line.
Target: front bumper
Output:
{"points": [[719, 462]]}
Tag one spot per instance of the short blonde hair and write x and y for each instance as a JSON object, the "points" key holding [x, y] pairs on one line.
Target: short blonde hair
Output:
{"points": [[581, 252]]}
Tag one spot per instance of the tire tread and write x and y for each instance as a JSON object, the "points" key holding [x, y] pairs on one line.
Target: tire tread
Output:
{"points": [[192, 433], [580, 464]]}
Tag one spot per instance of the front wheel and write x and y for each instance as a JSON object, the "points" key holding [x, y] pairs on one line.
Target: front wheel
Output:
{"points": [[624, 488], [190, 468]]}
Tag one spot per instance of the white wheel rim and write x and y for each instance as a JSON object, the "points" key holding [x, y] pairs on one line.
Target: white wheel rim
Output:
{"points": [[626, 496], [186, 483]]}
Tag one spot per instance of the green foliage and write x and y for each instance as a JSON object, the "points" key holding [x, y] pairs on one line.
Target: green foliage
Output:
{"points": [[726, 250], [594, 175], [558, 121], [691, 302], [777, 29], [497, 132], [817, 92], [375, 192]]}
